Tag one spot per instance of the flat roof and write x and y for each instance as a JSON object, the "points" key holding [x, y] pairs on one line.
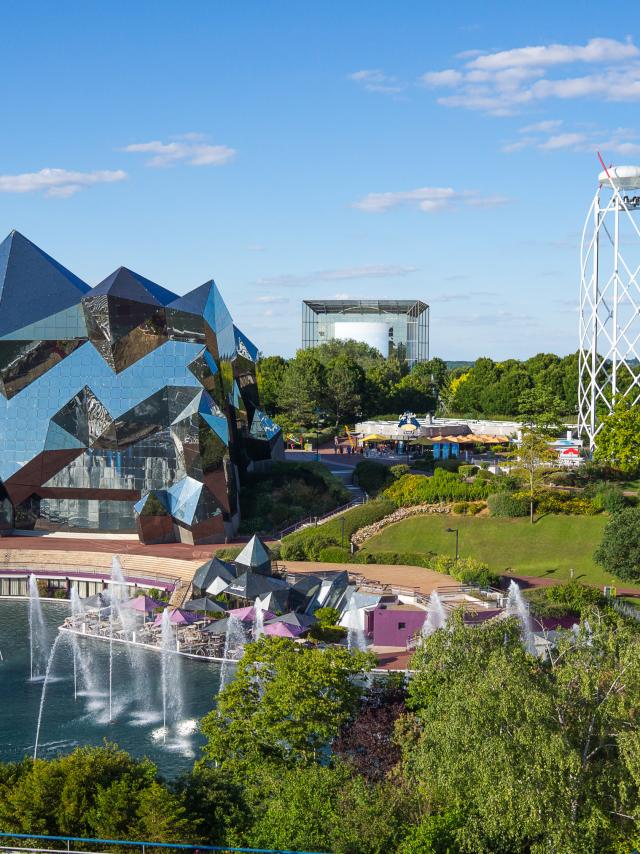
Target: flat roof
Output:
{"points": [[366, 306]]}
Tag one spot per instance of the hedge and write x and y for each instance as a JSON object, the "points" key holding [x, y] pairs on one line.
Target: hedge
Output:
{"points": [[308, 543], [335, 554], [508, 504], [443, 486]]}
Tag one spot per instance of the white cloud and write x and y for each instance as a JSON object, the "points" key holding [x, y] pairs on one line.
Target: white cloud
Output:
{"points": [[505, 82], [428, 199], [256, 247], [373, 271], [545, 126], [597, 50], [189, 148], [563, 140], [623, 141], [375, 80], [57, 182]]}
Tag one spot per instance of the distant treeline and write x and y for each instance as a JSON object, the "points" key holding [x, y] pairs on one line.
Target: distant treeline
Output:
{"points": [[343, 381]]}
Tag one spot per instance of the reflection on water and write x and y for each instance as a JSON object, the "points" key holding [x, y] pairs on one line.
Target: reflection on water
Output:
{"points": [[68, 723]]}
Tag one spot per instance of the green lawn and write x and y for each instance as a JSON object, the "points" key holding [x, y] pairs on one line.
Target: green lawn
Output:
{"points": [[551, 547]]}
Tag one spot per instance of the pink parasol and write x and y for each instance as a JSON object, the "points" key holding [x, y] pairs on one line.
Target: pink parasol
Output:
{"points": [[178, 617], [284, 630], [248, 614]]}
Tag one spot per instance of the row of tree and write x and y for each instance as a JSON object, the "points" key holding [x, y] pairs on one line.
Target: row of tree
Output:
{"points": [[488, 749], [342, 381]]}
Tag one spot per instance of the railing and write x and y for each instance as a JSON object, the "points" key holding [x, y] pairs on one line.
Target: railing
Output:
{"points": [[319, 520], [142, 845], [74, 572]]}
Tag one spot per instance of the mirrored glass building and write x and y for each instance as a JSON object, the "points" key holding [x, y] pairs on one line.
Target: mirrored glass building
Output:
{"points": [[123, 407], [394, 327]]}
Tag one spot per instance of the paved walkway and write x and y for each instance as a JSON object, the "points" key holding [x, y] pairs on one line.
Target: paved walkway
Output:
{"points": [[395, 575]]}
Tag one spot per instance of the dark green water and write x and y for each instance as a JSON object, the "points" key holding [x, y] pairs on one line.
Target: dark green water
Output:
{"points": [[69, 721]]}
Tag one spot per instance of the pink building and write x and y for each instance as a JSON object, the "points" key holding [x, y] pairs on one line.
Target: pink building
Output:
{"points": [[393, 624]]}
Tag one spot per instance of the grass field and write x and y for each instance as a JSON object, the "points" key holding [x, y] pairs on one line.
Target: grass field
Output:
{"points": [[551, 547]]}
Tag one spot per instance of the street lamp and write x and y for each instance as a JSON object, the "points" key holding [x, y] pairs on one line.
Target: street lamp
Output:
{"points": [[455, 531], [342, 520]]}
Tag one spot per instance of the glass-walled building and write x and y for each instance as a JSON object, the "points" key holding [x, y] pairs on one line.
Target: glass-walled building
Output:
{"points": [[394, 327], [123, 407]]}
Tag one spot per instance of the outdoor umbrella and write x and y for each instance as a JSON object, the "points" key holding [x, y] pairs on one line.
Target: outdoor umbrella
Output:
{"points": [[248, 615], [284, 630], [178, 617], [142, 603], [204, 604], [293, 618]]}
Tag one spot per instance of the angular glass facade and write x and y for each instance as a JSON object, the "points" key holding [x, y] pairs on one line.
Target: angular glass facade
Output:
{"points": [[124, 406], [394, 327]]}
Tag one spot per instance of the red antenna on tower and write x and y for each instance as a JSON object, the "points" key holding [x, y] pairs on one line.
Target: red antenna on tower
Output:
{"points": [[603, 166]]}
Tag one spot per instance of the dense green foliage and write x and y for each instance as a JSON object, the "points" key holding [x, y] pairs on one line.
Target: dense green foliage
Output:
{"points": [[270, 711], [536, 757], [619, 438], [95, 792], [560, 599], [342, 381], [287, 493], [502, 389], [443, 486], [619, 551], [508, 505]]}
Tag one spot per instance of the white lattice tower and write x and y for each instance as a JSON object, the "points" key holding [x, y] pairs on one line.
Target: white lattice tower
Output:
{"points": [[609, 332]]}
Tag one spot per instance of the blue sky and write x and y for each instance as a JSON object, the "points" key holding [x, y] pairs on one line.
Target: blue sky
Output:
{"points": [[308, 150]]}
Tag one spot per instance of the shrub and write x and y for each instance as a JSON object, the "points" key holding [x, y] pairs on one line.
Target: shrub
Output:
{"points": [[60, 593], [335, 554], [466, 570], [443, 486], [607, 496], [460, 507], [619, 551], [400, 470], [575, 596], [372, 476], [327, 617], [565, 502], [475, 507], [485, 474], [507, 504], [467, 471]]}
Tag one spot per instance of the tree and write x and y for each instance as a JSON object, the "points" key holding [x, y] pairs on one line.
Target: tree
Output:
{"points": [[618, 441], [619, 551], [345, 387], [285, 705], [365, 355], [540, 410], [531, 458], [532, 756], [381, 380], [270, 372], [366, 743], [98, 792], [303, 388]]}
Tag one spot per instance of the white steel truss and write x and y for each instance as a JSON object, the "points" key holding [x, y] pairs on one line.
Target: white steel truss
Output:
{"points": [[609, 325]]}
